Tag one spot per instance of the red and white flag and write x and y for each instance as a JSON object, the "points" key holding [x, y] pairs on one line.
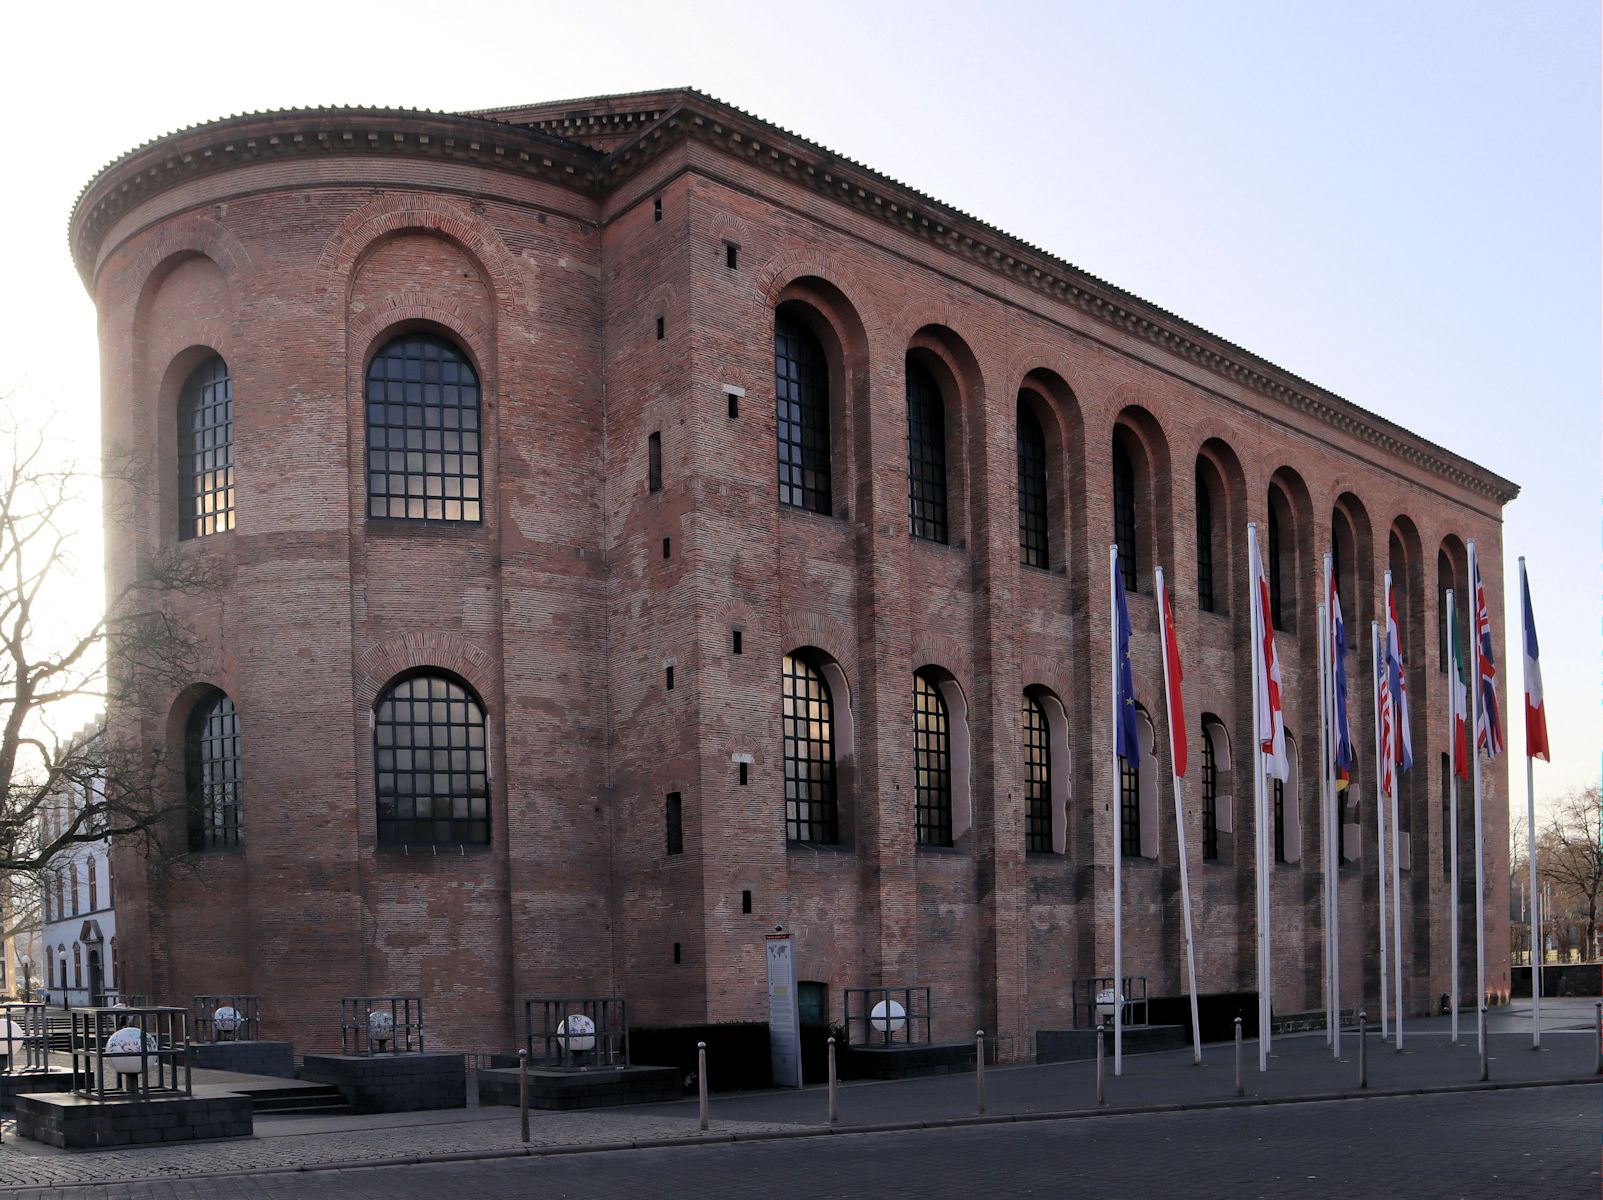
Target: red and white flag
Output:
{"points": [[1177, 711], [1271, 731], [1535, 715], [1458, 689]]}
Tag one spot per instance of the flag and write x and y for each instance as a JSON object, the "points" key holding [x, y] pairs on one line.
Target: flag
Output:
{"points": [[1488, 724], [1535, 714], [1177, 710], [1127, 735], [1459, 692], [1343, 736], [1403, 732], [1386, 751], [1271, 731]]}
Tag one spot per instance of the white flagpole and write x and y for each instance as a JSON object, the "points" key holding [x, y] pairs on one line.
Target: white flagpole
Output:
{"points": [[1179, 826], [1259, 670], [1380, 828], [1396, 838], [1474, 749], [1118, 821], [1332, 735], [1324, 808], [1452, 796], [1538, 952]]}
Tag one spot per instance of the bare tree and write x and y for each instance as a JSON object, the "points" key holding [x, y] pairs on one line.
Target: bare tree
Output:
{"points": [[53, 672], [1569, 855]]}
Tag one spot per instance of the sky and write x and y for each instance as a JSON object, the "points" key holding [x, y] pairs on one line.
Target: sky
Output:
{"points": [[1397, 202]]}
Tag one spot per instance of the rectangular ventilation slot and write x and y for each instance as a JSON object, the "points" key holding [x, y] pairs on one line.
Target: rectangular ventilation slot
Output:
{"points": [[676, 826], [735, 639], [669, 676], [676, 953], [654, 462], [667, 547], [745, 901], [734, 406], [731, 256], [656, 215], [660, 328], [745, 774]]}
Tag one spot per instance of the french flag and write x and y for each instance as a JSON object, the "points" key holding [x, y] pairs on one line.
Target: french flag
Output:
{"points": [[1535, 714]]}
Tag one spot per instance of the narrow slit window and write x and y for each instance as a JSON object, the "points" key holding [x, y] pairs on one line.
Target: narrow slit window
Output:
{"points": [[661, 327], [654, 462], [668, 678], [676, 823], [731, 256], [735, 641], [656, 208]]}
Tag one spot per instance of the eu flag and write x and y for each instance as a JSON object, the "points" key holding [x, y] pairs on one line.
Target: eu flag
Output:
{"points": [[1127, 737]]}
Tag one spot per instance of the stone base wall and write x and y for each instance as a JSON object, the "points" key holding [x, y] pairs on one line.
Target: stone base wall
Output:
{"points": [[392, 1082], [12, 1086], [906, 1062], [560, 1090], [71, 1122], [247, 1058]]}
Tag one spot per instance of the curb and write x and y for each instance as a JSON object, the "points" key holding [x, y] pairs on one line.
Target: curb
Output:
{"points": [[726, 1139]]}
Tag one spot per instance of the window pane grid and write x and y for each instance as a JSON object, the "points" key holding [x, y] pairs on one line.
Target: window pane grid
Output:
{"points": [[926, 455], [423, 438], [811, 814], [1204, 545], [1037, 779], [1032, 490], [213, 775], [801, 398], [932, 764], [1129, 811], [1210, 800], [206, 450], [1124, 513], [431, 764]]}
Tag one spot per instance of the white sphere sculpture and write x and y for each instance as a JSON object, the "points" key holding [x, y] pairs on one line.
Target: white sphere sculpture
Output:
{"points": [[122, 1051], [888, 1016], [577, 1033], [226, 1019], [380, 1026], [10, 1034], [1106, 1001]]}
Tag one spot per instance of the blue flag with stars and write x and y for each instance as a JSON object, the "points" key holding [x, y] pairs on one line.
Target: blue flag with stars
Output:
{"points": [[1127, 737]]}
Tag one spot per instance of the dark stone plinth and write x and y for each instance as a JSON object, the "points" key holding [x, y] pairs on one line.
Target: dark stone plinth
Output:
{"points": [[907, 1062], [1558, 979], [12, 1086], [1075, 1045], [603, 1087], [392, 1082], [246, 1058], [71, 1122]]}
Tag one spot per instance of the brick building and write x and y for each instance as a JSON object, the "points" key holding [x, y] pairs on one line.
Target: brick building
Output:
{"points": [[475, 416]]}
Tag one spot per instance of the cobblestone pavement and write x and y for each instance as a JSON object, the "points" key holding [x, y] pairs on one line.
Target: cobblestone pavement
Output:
{"points": [[1538, 1142]]}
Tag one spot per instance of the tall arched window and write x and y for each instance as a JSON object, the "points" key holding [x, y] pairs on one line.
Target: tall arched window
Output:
{"points": [[811, 811], [94, 887], [1124, 513], [61, 894], [926, 455], [431, 763], [1204, 543], [1444, 582], [932, 762], [1033, 540], [211, 774], [423, 440], [1037, 779], [72, 885], [77, 964], [1210, 798], [801, 397], [206, 451], [50, 966]]}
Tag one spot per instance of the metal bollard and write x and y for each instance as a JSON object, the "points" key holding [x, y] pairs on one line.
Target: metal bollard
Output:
{"points": [[1241, 1079], [701, 1080], [1600, 1037], [1486, 1061], [979, 1071], [1363, 1050], [834, 1106], [1101, 1090], [523, 1094]]}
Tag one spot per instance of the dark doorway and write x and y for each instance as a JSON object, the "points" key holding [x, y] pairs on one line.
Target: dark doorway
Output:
{"points": [[812, 1009], [97, 994]]}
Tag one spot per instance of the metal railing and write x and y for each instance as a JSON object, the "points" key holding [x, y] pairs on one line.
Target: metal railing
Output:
{"points": [[573, 1033], [381, 1025], [24, 1037], [227, 1018], [1088, 995], [118, 1053], [889, 1016]]}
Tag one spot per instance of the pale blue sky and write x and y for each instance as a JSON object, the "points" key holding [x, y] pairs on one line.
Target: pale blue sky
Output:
{"points": [[1398, 202]]}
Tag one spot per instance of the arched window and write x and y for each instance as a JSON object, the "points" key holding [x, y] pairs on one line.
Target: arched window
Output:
{"points": [[1444, 582], [926, 455], [1037, 779], [1205, 600], [206, 450], [1033, 541], [1124, 513], [61, 894], [211, 774], [811, 812], [422, 432], [1210, 798], [77, 965], [61, 957], [932, 762], [72, 886], [431, 763], [801, 396], [94, 887], [50, 966]]}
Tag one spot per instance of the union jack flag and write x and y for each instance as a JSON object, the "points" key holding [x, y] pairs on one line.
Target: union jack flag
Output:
{"points": [[1488, 724]]}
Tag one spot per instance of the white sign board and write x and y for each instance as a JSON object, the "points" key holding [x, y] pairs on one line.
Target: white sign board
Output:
{"points": [[784, 1018]]}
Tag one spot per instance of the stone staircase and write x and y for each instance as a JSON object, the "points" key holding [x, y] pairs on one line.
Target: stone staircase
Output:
{"points": [[298, 1099]]}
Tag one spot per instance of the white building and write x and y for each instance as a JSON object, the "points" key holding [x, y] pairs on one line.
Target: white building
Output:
{"points": [[79, 934]]}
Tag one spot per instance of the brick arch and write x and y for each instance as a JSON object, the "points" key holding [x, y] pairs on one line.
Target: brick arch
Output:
{"points": [[1039, 670], [366, 330], [809, 627], [727, 226], [940, 650], [392, 214], [383, 661], [177, 239], [780, 272], [1031, 357]]}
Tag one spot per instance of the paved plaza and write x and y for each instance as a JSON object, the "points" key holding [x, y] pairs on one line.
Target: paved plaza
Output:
{"points": [[1425, 1113]]}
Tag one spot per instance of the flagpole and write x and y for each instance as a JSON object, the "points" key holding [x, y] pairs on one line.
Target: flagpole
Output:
{"points": [[1452, 793], [1396, 837], [1530, 829], [1475, 754], [1261, 845], [1333, 736], [1179, 822], [1118, 820], [1324, 808], [1380, 828]]}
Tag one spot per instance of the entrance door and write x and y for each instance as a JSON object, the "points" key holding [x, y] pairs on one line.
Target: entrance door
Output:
{"points": [[812, 1011], [96, 991]]}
